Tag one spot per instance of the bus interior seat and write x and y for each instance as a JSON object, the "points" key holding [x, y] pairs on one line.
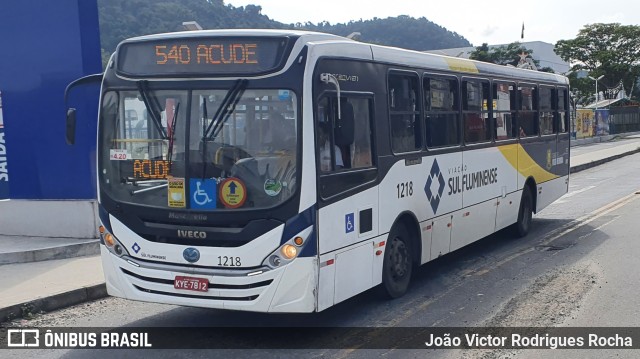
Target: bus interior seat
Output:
{"points": [[212, 149]]}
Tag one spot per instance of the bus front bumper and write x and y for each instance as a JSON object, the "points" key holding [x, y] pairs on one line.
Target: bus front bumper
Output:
{"points": [[290, 288]]}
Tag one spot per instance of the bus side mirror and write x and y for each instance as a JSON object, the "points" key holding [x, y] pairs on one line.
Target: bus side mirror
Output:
{"points": [[71, 126], [71, 112]]}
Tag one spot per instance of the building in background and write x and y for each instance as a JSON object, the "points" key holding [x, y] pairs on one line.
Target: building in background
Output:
{"points": [[51, 186], [542, 52]]}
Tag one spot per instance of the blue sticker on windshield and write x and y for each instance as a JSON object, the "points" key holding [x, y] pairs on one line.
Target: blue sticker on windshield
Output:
{"points": [[283, 95], [203, 193]]}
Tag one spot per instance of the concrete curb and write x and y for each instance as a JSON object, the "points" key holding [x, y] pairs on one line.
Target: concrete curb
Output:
{"points": [[595, 163], [598, 139], [57, 301], [59, 252]]}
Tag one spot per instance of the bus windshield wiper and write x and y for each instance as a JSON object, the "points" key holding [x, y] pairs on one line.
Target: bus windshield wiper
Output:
{"points": [[142, 181], [146, 183], [226, 108], [133, 193], [172, 132], [152, 106]]}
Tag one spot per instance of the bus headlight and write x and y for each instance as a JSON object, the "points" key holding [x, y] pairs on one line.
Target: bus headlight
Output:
{"points": [[289, 250], [113, 245]]}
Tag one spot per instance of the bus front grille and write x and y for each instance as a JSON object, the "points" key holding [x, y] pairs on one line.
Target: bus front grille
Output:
{"points": [[211, 285], [195, 296], [245, 291]]}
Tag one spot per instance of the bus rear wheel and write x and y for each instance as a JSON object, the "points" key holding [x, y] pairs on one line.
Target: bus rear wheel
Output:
{"points": [[397, 265], [525, 214]]}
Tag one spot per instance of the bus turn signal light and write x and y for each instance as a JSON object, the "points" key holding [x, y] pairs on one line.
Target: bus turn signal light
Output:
{"points": [[101, 229], [109, 240], [298, 241]]}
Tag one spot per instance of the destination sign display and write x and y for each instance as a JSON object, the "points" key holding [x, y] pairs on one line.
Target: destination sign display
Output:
{"points": [[201, 56]]}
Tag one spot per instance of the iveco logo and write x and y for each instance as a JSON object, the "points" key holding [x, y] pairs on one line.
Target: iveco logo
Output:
{"points": [[191, 234], [191, 255]]}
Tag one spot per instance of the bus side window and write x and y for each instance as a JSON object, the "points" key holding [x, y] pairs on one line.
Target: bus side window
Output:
{"points": [[361, 149], [351, 135], [504, 111], [404, 111], [546, 110], [344, 131], [441, 112], [562, 114], [333, 134], [475, 108], [528, 111]]}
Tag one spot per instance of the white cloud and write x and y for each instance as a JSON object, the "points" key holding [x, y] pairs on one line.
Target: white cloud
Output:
{"points": [[494, 22]]}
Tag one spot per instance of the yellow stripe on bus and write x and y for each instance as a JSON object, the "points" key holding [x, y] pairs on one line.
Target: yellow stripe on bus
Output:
{"points": [[524, 164], [461, 65]]}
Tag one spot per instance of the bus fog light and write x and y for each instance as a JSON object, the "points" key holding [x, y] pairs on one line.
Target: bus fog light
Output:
{"points": [[289, 251], [118, 249], [275, 261]]}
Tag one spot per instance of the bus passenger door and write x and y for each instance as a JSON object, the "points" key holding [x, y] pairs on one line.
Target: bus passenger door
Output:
{"points": [[347, 197]]}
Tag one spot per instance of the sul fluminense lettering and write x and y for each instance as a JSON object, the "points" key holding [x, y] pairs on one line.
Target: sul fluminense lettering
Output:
{"points": [[214, 54]]}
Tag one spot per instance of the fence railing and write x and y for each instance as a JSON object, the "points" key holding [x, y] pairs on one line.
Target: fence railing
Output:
{"points": [[624, 119]]}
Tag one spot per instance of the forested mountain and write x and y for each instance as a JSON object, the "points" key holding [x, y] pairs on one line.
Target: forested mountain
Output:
{"points": [[402, 31], [120, 19]]}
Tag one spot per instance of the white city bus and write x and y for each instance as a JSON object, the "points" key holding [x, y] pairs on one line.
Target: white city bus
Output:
{"points": [[286, 171]]}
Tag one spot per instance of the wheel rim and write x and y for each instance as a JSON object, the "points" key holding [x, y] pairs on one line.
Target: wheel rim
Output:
{"points": [[399, 259]]}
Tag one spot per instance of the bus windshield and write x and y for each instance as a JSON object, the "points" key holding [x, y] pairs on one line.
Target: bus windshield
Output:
{"points": [[199, 149]]}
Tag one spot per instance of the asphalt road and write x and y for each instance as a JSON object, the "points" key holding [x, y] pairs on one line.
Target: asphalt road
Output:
{"points": [[576, 268]]}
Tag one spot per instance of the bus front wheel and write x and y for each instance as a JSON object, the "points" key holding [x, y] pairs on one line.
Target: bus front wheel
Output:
{"points": [[525, 214], [397, 265]]}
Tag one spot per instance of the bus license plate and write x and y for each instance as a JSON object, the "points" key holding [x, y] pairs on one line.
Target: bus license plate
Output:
{"points": [[191, 283]]}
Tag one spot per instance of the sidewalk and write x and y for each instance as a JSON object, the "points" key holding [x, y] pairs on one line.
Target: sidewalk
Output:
{"points": [[39, 280], [595, 154]]}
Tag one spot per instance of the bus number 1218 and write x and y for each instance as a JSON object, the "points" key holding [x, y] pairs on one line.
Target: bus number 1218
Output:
{"points": [[405, 189]]}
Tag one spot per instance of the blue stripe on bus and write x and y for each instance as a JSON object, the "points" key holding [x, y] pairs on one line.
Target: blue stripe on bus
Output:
{"points": [[104, 218]]}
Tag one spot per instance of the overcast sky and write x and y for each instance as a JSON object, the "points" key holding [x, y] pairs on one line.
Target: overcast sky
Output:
{"points": [[492, 21]]}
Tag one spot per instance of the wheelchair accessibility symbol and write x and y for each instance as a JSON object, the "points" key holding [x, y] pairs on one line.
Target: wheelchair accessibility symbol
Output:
{"points": [[349, 223], [203, 193]]}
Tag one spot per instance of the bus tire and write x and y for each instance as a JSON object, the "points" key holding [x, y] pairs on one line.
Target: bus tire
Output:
{"points": [[525, 214], [397, 264]]}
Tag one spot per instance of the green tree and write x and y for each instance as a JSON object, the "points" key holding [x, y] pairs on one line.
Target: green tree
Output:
{"points": [[482, 53], [503, 55], [603, 49]]}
